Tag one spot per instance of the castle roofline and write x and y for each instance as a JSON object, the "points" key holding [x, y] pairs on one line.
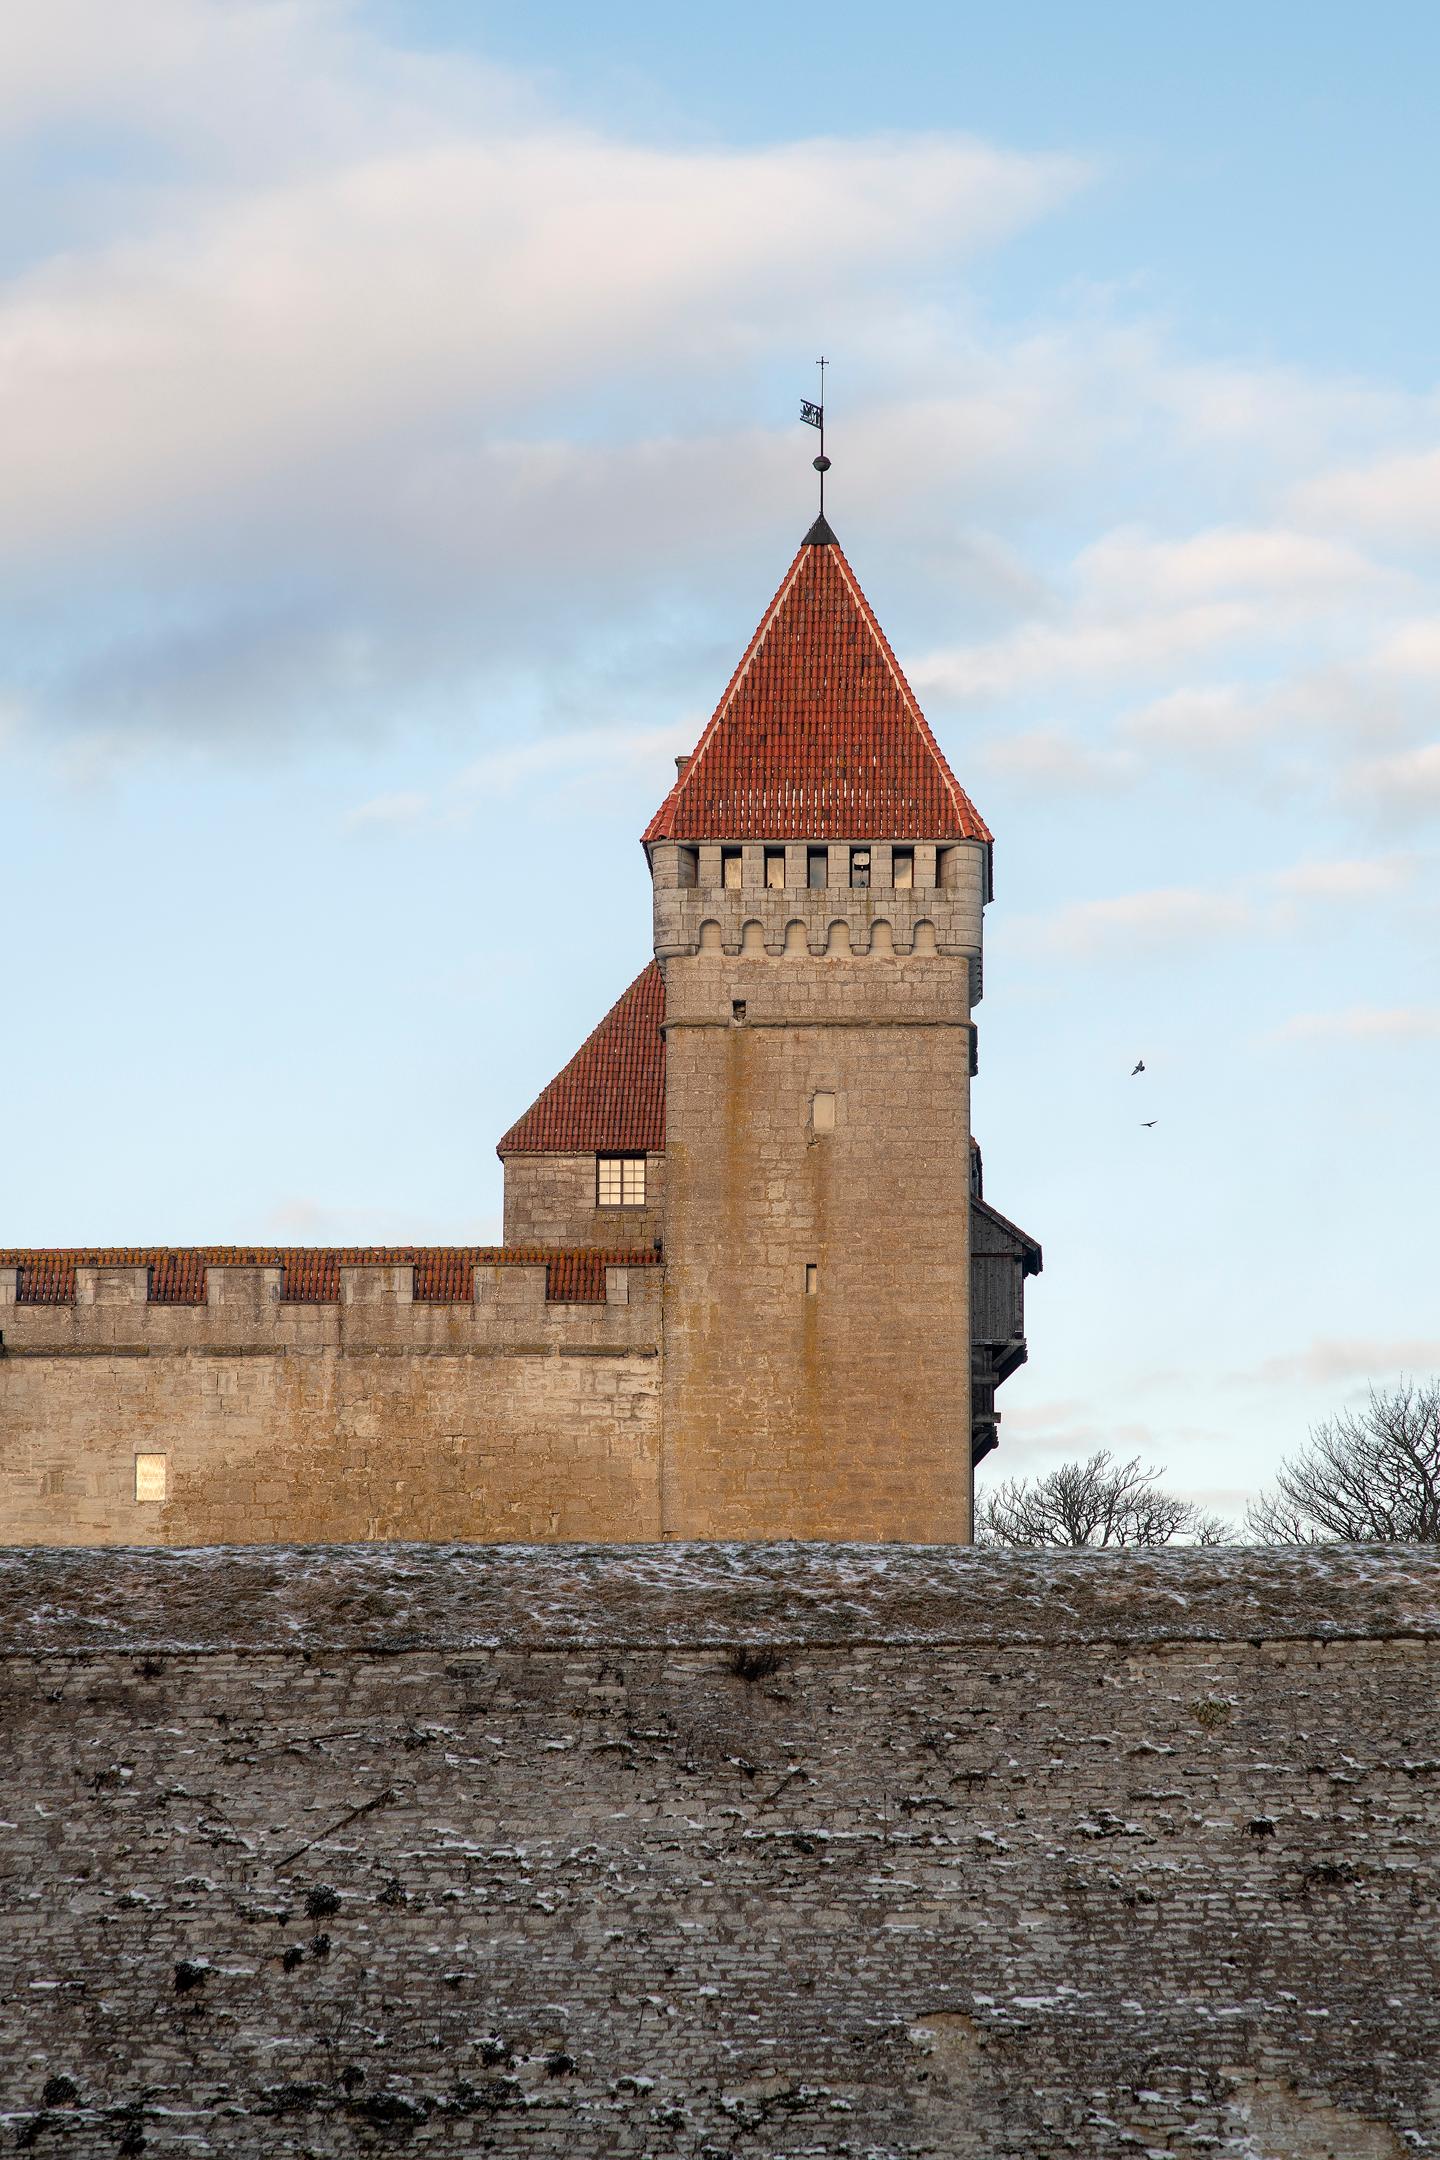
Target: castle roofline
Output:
{"points": [[818, 735]]}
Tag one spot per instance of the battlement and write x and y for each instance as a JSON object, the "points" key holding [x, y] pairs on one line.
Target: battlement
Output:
{"points": [[730, 900], [457, 1298]]}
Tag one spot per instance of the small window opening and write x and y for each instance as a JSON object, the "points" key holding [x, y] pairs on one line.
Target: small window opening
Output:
{"points": [[731, 866], [903, 869], [818, 868], [689, 867], [812, 1279], [620, 1181], [152, 1477], [737, 1010], [822, 1111], [860, 867], [775, 869]]}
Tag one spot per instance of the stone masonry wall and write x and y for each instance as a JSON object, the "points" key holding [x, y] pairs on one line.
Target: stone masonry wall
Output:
{"points": [[374, 1418], [740, 1851], [550, 1200], [846, 1412]]}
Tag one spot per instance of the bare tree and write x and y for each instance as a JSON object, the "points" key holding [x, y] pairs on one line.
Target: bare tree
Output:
{"points": [[1371, 1474], [1099, 1502]]}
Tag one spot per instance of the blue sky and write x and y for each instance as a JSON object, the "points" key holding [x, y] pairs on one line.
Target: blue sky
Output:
{"points": [[397, 408]]}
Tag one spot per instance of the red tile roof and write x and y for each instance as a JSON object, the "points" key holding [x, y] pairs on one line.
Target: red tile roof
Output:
{"points": [[610, 1098], [310, 1275], [819, 735]]}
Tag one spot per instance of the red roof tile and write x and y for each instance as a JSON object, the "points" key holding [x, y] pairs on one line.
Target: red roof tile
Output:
{"points": [[819, 735], [610, 1098], [310, 1275]]}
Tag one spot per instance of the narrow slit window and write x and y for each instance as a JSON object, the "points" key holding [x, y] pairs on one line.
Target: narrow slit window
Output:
{"points": [[775, 869], [812, 1279], [152, 1477], [903, 872], [818, 869], [620, 1181], [859, 868], [731, 868]]}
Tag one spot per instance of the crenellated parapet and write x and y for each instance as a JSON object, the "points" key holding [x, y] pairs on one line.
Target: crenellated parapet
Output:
{"points": [[508, 1306], [876, 900]]}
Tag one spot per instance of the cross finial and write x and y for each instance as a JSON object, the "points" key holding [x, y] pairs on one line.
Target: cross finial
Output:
{"points": [[814, 416]]}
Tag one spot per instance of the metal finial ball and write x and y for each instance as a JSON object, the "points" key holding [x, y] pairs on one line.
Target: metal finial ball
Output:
{"points": [[821, 464]]}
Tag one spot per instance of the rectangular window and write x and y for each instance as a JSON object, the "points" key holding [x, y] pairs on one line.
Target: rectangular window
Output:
{"points": [[903, 871], [818, 869], [620, 1181], [822, 1111], [688, 872], [860, 867], [152, 1476], [812, 1279], [731, 864], [775, 869]]}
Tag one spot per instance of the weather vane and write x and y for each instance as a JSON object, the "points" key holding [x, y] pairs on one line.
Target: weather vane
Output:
{"points": [[814, 416]]}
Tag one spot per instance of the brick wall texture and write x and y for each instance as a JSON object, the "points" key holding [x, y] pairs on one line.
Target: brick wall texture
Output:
{"points": [[714, 1851]]}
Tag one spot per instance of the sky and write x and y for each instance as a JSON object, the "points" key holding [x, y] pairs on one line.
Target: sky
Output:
{"points": [[398, 423]]}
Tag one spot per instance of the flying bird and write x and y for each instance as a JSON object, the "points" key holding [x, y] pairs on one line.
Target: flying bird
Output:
{"points": [[1139, 1068], [1147, 1122]]}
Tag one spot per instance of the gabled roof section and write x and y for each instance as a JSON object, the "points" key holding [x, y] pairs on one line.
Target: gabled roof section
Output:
{"points": [[610, 1098], [818, 736]]}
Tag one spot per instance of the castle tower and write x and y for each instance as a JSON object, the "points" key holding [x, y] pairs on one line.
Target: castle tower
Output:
{"points": [[819, 880]]}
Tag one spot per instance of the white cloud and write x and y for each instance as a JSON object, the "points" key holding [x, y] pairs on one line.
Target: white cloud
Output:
{"points": [[1336, 1360], [1364, 1023], [1045, 758], [1084, 648], [463, 277], [401, 808], [1171, 918], [1397, 498], [1412, 649], [1403, 788], [1240, 562]]}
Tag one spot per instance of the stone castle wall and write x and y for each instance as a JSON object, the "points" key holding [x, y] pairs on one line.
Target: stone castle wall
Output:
{"points": [[688, 1852], [506, 1418], [841, 1410], [550, 1200]]}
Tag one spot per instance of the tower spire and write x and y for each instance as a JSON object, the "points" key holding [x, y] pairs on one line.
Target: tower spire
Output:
{"points": [[813, 414]]}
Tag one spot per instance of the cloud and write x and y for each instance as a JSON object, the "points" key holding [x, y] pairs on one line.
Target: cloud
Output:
{"points": [[1045, 758], [1168, 919], [1364, 1023], [1401, 789], [1225, 560], [271, 332], [1133, 606], [1397, 498], [1337, 1360], [402, 808], [1413, 649]]}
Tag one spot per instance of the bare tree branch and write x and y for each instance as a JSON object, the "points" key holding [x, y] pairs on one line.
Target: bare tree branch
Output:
{"points": [[1099, 1502], [1371, 1475]]}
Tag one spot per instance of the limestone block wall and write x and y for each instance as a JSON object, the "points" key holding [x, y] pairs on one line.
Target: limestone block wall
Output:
{"points": [[376, 1417], [550, 1200], [817, 1364], [720, 1851]]}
